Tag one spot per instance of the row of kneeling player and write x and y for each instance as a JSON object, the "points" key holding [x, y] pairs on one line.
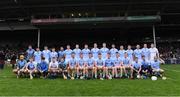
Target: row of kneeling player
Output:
{"points": [[90, 69]]}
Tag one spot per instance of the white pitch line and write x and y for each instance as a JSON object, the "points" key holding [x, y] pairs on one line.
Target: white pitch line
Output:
{"points": [[171, 79], [171, 70]]}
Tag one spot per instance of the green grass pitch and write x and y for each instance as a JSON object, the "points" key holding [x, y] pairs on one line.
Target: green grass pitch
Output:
{"points": [[10, 86]]}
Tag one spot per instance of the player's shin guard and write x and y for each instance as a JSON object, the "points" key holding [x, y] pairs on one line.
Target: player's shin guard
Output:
{"points": [[69, 72], [131, 72], [121, 70], [95, 72], [116, 72], [125, 71], [86, 73], [76, 73], [31, 74], [64, 74], [104, 72], [92, 73], [18, 73], [113, 72]]}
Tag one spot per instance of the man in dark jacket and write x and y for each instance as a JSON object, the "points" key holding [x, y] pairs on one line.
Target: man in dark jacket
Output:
{"points": [[2, 59]]}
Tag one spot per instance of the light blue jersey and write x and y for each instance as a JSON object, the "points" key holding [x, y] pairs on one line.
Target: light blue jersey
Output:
{"points": [[121, 53], [145, 65], [126, 61], [85, 54], [136, 65], [117, 61], [81, 62], [61, 54], [30, 53], [31, 65], [46, 55], [130, 54], [90, 62], [77, 53], [145, 62], [72, 62], [155, 64], [62, 64], [95, 52], [113, 52], [138, 53], [53, 54], [37, 56], [67, 53], [21, 63], [109, 63], [100, 62], [146, 53], [104, 52], [43, 66]]}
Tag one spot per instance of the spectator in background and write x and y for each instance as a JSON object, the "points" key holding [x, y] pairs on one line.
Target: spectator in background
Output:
{"points": [[2, 59], [13, 60]]}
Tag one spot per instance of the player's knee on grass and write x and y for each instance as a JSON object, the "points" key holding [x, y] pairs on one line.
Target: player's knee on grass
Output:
{"points": [[51, 71], [36, 71], [126, 67], [99, 68], [73, 68], [77, 68], [25, 71], [80, 68], [60, 70], [110, 68], [161, 71], [65, 71], [94, 68], [68, 68], [55, 71], [15, 71], [90, 68], [28, 71], [154, 70], [114, 68], [104, 68]]}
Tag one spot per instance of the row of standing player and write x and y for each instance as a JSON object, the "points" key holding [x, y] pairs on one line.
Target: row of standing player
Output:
{"points": [[149, 53]]}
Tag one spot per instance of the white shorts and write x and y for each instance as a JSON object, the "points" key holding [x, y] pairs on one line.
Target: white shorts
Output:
{"points": [[90, 67], [99, 66], [81, 67], [72, 67], [118, 66], [67, 60], [158, 70], [47, 61], [127, 66]]}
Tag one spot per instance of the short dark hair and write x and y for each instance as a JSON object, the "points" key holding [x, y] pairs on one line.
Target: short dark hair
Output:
{"points": [[43, 58]]}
